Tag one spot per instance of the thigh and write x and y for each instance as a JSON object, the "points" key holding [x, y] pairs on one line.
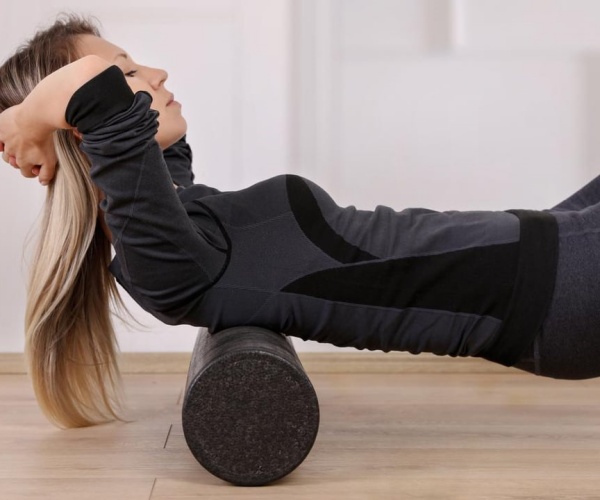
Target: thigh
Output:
{"points": [[568, 345], [587, 196]]}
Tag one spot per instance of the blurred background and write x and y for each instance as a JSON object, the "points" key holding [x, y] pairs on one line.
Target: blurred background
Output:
{"points": [[442, 104]]}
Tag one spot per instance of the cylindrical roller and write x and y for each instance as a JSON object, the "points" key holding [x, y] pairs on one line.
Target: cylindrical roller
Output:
{"points": [[250, 413]]}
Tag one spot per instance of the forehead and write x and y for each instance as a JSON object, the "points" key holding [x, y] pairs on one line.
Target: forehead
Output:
{"points": [[93, 45]]}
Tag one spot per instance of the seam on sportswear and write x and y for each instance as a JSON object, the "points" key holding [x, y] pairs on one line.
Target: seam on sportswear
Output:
{"points": [[577, 233], [459, 249], [261, 223], [438, 312], [247, 288], [267, 302], [536, 353], [135, 195], [119, 237], [491, 340], [229, 250]]}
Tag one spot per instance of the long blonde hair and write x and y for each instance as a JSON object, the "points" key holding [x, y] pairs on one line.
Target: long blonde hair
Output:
{"points": [[70, 343]]}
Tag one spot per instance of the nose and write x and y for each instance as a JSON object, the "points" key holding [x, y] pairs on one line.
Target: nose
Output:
{"points": [[157, 77]]}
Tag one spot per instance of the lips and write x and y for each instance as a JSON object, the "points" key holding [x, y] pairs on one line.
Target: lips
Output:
{"points": [[171, 99]]}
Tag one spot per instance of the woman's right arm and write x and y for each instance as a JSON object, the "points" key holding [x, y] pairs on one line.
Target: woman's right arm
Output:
{"points": [[26, 129]]}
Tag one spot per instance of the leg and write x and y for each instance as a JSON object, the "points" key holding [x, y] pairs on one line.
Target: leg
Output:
{"points": [[568, 345], [587, 196]]}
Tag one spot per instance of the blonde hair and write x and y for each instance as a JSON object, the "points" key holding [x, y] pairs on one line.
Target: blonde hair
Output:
{"points": [[70, 343]]}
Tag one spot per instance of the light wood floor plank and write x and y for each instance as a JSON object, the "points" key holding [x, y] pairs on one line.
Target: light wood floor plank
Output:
{"points": [[382, 436], [347, 361], [74, 489]]}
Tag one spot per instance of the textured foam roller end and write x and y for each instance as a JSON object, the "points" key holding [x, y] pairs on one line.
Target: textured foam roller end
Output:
{"points": [[250, 413]]}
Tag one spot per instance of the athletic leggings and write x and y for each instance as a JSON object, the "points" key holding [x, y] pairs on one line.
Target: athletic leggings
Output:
{"points": [[568, 343]]}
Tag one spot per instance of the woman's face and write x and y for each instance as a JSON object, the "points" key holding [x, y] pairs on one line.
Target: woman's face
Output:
{"points": [[171, 124]]}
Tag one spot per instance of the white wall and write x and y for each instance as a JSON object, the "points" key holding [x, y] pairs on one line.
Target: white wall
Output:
{"points": [[448, 104], [445, 104]]}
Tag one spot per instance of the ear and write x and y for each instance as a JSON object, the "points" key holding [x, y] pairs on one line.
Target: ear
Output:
{"points": [[77, 134]]}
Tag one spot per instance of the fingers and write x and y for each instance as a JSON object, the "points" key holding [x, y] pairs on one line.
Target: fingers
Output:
{"points": [[44, 173], [26, 172], [44, 170], [11, 160]]}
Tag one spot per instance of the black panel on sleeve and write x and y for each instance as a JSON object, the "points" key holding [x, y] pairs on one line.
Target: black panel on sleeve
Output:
{"points": [[100, 98]]}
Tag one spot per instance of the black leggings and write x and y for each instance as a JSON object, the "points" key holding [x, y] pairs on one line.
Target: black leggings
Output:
{"points": [[568, 343]]}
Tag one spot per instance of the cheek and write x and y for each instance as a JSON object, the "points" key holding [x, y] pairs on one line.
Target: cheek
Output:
{"points": [[136, 85]]}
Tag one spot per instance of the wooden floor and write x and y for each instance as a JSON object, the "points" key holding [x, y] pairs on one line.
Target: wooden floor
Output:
{"points": [[382, 436]]}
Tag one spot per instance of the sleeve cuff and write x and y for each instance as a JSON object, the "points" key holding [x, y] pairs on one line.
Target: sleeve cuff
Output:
{"points": [[97, 100]]}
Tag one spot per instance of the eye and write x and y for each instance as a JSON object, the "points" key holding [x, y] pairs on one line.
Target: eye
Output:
{"points": [[131, 73]]}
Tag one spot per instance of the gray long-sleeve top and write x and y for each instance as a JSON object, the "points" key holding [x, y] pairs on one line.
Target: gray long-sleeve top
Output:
{"points": [[281, 254]]}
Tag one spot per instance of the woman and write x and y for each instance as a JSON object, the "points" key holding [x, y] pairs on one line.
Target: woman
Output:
{"points": [[514, 287]]}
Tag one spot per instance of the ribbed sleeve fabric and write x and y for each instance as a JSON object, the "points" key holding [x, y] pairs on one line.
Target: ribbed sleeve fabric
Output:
{"points": [[99, 99]]}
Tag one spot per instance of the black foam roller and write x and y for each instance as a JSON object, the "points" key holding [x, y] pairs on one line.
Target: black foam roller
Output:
{"points": [[250, 413]]}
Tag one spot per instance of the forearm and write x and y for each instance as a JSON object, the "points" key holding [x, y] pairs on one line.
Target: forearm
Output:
{"points": [[44, 108]]}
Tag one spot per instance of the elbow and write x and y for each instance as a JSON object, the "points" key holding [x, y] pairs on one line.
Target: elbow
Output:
{"points": [[173, 305]]}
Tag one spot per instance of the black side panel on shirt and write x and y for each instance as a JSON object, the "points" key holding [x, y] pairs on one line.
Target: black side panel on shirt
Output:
{"points": [[458, 281], [310, 219]]}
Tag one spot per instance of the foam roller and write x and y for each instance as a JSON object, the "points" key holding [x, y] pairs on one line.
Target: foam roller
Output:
{"points": [[250, 413]]}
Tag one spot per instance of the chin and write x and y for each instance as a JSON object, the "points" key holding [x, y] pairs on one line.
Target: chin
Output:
{"points": [[171, 131], [165, 142]]}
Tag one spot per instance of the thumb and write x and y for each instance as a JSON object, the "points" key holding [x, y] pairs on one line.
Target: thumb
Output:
{"points": [[46, 173]]}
